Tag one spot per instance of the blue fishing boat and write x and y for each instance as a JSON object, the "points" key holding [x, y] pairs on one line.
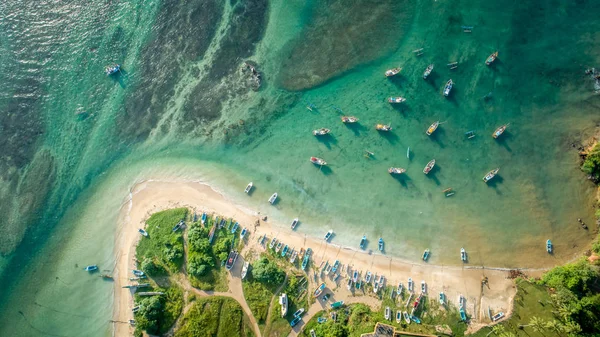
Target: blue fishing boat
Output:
{"points": [[178, 226], [306, 259], [549, 246], [363, 242], [91, 268], [203, 218], [243, 233], [284, 251], [381, 244], [415, 319], [273, 243], [234, 228], [319, 290], [295, 321], [463, 315], [336, 264], [368, 277], [328, 235], [426, 255], [143, 232], [442, 298], [355, 276], [321, 320]]}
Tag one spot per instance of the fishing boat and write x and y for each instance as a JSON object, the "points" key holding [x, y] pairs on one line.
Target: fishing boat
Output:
{"points": [[463, 315], [470, 134], [395, 100], [358, 284], [178, 226], [381, 281], [461, 301], [335, 267], [318, 161], [423, 287], [499, 131], [368, 277], [299, 312], [490, 175], [211, 234], [243, 233], [408, 153], [283, 301], [429, 166], [321, 132], [273, 198], [248, 188], [106, 277], [135, 309], [417, 301], [549, 246], [231, 259], [491, 58], [349, 119], [388, 313], [301, 253], [448, 87], [463, 255], [380, 244], [427, 71], [376, 284], [328, 235], [137, 272], [143, 232], [349, 284], [234, 228], [305, 261], [319, 290], [272, 243], [294, 223], [295, 321], [91, 268], [415, 319], [337, 304], [278, 247], [313, 333], [321, 320], [392, 72], [432, 128], [410, 284], [442, 298], [262, 239], [112, 69], [294, 256], [426, 255], [245, 269], [285, 250], [396, 170], [383, 127], [363, 242], [497, 316], [203, 218], [406, 317]]}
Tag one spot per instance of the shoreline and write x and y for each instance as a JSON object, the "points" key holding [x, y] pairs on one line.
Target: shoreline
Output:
{"points": [[149, 196]]}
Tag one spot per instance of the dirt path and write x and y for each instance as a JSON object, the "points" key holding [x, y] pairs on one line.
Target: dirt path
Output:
{"points": [[268, 319]]}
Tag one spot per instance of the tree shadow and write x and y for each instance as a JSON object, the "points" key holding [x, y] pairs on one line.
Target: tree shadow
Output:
{"points": [[357, 128], [503, 140], [327, 140], [390, 136]]}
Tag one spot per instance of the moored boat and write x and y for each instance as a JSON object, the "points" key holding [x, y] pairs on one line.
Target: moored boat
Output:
{"points": [[427, 71], [106, 276], [283, 301], [463, 255], [335, 267], [442, 298], [143, 232], [337, 304], [380, 244], [368, 277], [398, 316], [497, 316], [363, 242], [388, 312], [203, 218], [273, 198], [490, 175], [319, 290], [243, 233], [318, 161], [234, 228], [549, 246], [91, 268], [299, 312], [406, 317], [273, 243], [400, 288], [383, 127], [410, 284], [355, 276], [231, 259], [448, 87], [278, 247], [395, 100], [393, 71], [499, 131], [349, 119], [112, 69], [294, 223], [248, 188], [180, 224], [285, 250], [432, 128], [349, 284], [423, 287], [313, 333], [306, 259], [294, 256], [328, 235], [415, 319], [429, 166], [321, 132], [245, 269], [137, 272], [396, 170], [491, 58], [463, 315], [426, 255]]}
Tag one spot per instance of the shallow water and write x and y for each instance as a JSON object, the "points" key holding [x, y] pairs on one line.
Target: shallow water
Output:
{"points": [[74, 141]]}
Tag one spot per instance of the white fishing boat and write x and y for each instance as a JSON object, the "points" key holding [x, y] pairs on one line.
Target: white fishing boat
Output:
{"points": [[423, 287], [318, 161], [448, 87], [429, 166], [499, 131], [273, 198], [383, 127], [463, 255], [398, 316], [427, 71], [349, 119], [490, 175], [392, 72], [328, 235], [143, 232], [410, 284], [396, 170], [294, 223], [432, 128], [283, 301], [406, 317], [400, 288], [248, 188], [245, 269], [349, 284], [321, 132], [491, 58], [388, 313], [396, 100]]}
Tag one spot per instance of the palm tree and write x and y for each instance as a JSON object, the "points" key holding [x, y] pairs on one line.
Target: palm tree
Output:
{"points": [[555, 326], [537, 324]]}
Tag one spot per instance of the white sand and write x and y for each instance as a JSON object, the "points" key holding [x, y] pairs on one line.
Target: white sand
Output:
{"points": [[152, 196]]}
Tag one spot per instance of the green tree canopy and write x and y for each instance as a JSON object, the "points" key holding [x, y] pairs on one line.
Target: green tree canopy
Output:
{"points": [[267, 272]]}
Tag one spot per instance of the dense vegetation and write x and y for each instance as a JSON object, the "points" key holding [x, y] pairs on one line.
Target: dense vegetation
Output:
{"points": [[591, 164], [214, 317], [162, 250], [158, 313]]}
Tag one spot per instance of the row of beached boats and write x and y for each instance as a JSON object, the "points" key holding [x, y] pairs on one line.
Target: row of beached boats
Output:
{"points": [[293, 254]]}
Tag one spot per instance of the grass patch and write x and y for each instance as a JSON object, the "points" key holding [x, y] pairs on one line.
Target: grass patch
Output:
{"points": [[162, 247], [215, 316], [157, 314], [258, 296]]}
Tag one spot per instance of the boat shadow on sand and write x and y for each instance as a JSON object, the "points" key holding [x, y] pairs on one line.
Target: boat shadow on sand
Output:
{"points": [[437, 136], [493, 183], [403, 179], [432, 80], [403, 109], [327, 140], [397, 80], [326, 170], [120, 77], [357, 128], [503, 140], [432, 175], [390, 136]]}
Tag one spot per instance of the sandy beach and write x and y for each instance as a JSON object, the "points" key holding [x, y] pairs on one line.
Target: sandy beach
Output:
{"points": [[153, 195]]}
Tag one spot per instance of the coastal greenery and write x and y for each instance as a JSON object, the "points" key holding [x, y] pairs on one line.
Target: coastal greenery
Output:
{"points": [[162, 250], [591, 164], [296, 291], [157, 314], [266, 271], [214, 316]]}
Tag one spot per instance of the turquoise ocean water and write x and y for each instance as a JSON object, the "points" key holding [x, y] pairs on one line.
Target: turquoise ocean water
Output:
{"points": [[73, 141]]}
